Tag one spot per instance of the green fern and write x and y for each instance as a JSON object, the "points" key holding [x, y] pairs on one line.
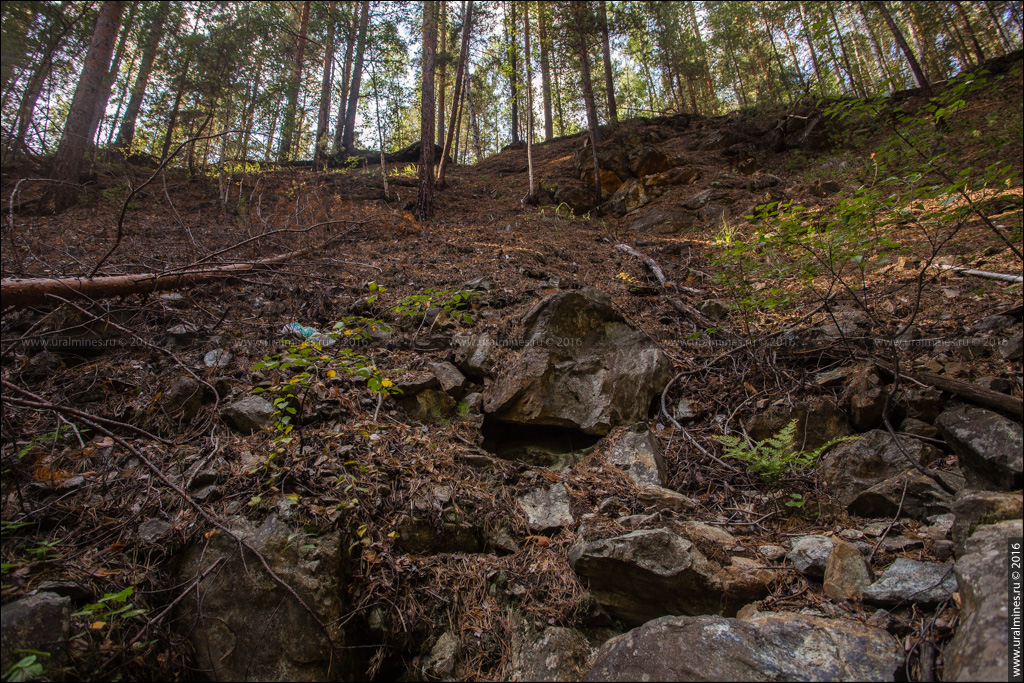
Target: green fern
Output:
{"points": [[776, 455]]}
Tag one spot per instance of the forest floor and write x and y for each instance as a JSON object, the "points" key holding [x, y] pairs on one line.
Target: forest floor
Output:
{"points": [[74, 497]]}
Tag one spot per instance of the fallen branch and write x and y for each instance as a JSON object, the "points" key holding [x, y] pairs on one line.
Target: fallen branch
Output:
{"points": [[988, 398], [980, 273], [17, 293], [659, 275]]}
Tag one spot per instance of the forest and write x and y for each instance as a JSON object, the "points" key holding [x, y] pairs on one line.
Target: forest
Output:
{"points": [[511, 340]]}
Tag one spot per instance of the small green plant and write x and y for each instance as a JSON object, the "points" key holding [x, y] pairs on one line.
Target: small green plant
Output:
{"points": [[112, 607], [777, 455], [452, 301], [28, 667]]}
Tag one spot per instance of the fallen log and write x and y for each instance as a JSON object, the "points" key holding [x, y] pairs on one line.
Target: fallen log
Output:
{"points": [[18, 293], [1004, 403]]}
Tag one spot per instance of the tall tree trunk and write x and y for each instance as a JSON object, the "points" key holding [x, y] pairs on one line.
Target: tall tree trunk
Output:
{"points": [[796, 62], [474, 123], [250, 111], [74, 141], [442, 70], [854, 83], [126, 134], [558, 104], [545, 71], [609, 77], [324, 115], [56, 32], [778, 58], [963, 54], [425, 198], [582, 21], [978, 52], [513, 74], [348, 141], [1004, 40], [346, 74], [460, 72], [294, 85], [703, 51], [122, 98], [876, 49], [810, 47], [111, 75], [897, 35], [529, 100]]}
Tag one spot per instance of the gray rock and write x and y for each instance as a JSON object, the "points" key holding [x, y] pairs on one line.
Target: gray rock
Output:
{"points": [[412, 383], [714, 309], [865, 392], [638, 455], [484, 283], [154, 531], [452, 381], [228, 628], [915, 427], [1012, 348], [772, 553], [443, 658], [909, 581], [583, 368], [218, 358], [847, 573], [853, 467], [664, 499], [547, 508], [250, 414], [577, 199], [184, 398], [182, 334], [662, 222], [554, 654], [978, 650], [697, 201], [764, 647], [921, 496], [38, 622], [818, 422], [973, 509], [628, 198], [995, 384], [688, 411], [647, 574], [809, 555], [474, 354], [990, 446]]}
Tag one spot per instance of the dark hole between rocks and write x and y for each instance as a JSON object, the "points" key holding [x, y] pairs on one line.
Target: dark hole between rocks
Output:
{"points": [[540, 445]]}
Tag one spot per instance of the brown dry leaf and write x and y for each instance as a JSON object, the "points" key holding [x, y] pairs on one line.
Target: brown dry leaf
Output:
{"points": [[97, 625]]}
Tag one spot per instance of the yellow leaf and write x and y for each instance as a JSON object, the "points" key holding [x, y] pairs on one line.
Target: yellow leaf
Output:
{"points": [[97, 625], [331, 374], [212, 533]]}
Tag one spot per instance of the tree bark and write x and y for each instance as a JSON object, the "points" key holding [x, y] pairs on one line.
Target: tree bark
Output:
{"points": [[897, 35], [474, 123], [126, 134], [609, 77], [348, 140], [978, 51], [111, 76], [1003, 39], [294, 85], [545, 72], [855, 84], [876, 49], [582, 22], [346, 74], [425, 198], [529, 100], [513, 74], [810, 47], [324, 115], [74, 141], [442, 69], [460, 71]]}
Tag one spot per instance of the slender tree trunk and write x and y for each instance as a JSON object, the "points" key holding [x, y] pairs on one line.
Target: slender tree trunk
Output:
{"points": [[425, 199], [126, 134], [270, 136], [348, 141], [609, 77], [74, 141], [586, 85], [513, 75], [796, 62], [778, 58], [703, 52], [810, 48], [978, 52], [460, 71], [346, 74], [121, 99], [854, 84], [529, 100], [324, 115], [474, 123], [250, 110], [545, 71], [1004, 40], [882, 68], [294, 85], [558, 104], [963, 53], [111, 75], [897, 35], [442, 70]]}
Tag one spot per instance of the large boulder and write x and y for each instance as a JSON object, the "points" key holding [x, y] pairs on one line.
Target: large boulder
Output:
{"points": [[990, 446], [648, 162], [628, 198], [243, 625], [973, 509], [554, 654], [909, 581], [662, 222], [809, 554], [854, 467], [583, 368], [546, 508], [763, 647], [978, 651], [913, 494], [819, 420], [40, 622], [655, 572]]}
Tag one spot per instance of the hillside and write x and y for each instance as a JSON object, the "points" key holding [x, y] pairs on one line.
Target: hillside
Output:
{"points": [[751, 397]]}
